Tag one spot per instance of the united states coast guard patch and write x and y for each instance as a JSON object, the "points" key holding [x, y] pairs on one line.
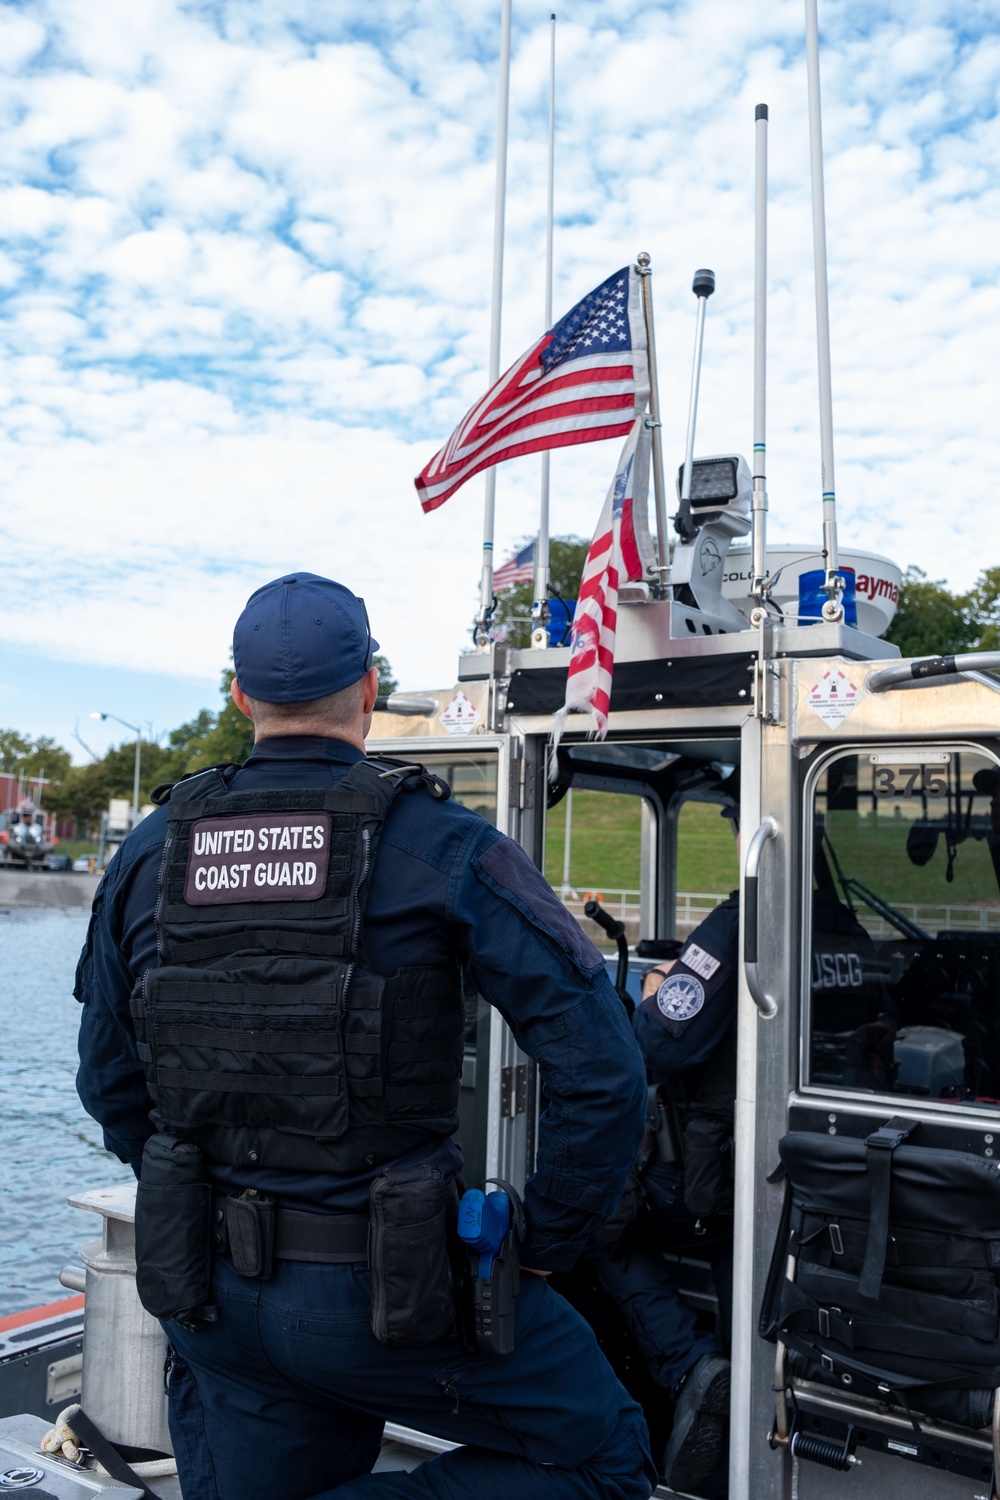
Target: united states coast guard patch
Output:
{"points": [[680, 997]]}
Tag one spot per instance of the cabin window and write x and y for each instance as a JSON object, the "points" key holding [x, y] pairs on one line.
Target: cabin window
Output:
{"points": [[903, 982], [472, 778], [707, 863]]}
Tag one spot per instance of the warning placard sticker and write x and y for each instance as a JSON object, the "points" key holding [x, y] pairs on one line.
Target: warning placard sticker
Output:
{"points": [[461, 715], [834, 696]]}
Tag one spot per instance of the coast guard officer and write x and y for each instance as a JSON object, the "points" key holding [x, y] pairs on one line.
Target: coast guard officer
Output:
{"points": [[686, 1028], [272, 1035]]}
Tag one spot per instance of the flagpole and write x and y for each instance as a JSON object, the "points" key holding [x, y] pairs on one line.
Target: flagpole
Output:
{"points": [[485, 616], [759, 541], [834, 585], [643, 268], [540, 607]]}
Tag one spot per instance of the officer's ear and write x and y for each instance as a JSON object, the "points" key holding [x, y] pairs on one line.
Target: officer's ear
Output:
{"points": [[241, 700], [369, 691]]}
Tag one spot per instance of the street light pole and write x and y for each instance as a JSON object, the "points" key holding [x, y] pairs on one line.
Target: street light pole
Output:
{"points": [[136, 730]]}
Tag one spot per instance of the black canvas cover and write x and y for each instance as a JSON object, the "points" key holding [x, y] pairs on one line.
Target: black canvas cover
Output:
{"points": [[680, 682], [896, 1253]]}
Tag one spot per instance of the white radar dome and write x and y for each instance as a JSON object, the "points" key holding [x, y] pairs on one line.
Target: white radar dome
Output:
{"points": [[877, 582]]}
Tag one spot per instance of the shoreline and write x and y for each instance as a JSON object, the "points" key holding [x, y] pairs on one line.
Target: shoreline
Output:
{"points": [[46, 890]]}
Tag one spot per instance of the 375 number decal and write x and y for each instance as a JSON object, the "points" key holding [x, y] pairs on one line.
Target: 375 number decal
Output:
{"points": [[902, 781]]}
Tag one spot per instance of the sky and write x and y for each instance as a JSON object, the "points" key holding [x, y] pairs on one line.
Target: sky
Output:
{"points": [[245, 260]]}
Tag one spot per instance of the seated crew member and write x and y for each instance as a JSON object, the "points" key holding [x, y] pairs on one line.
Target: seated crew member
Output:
{"points": [[220, 947], [686, 1028]]}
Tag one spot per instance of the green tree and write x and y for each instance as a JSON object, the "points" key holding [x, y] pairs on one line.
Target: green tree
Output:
{"points": [[930, 620], [386, 682], [14, 748], [43, 758], [984, 608], [567, 555], [229, 737]]}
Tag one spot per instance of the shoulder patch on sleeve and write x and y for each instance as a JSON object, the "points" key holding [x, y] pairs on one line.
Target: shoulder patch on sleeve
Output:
{"points": [[700, 960], [508, 866], [680, 997]]}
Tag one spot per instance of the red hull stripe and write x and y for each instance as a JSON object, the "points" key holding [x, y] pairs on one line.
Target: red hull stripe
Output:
{"points": [[42, 1314]]}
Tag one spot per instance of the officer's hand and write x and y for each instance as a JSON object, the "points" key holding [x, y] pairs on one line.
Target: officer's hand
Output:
{"points": [[653, 978]]}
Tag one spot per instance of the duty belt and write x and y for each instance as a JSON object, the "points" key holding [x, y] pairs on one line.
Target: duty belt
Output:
{"points": [[324, 1239]]}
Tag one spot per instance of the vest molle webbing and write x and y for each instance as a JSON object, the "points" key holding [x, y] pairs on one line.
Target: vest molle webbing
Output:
{"points": [[264, 1034]]}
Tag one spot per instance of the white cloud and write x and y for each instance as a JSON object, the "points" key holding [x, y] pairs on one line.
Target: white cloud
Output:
{"points": [[244, 284]]}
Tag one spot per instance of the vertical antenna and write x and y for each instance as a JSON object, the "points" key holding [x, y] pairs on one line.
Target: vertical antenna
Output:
{"points": [[644, 269], [759, 539], [485, 615], [540, 607], [703, 286], [834, 584]]}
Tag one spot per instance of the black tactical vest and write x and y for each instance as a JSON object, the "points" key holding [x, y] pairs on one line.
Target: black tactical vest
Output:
{"points": [[264, 1035]]}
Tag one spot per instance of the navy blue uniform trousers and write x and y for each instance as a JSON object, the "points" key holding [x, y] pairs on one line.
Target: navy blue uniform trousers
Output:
{"points": [[291, 1386], [643, 1284]]}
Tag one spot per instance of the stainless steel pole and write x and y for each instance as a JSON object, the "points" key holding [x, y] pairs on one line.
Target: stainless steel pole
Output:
{"points": [[833, 585], [703, 286], [759, 538], [643, 266], [540, 608], [567, 841], [489, 503]]}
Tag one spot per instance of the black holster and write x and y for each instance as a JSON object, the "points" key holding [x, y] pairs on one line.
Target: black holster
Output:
{"points": [[173, 1249], [494, 1297], [708, 1165], [413, 1298], [250, 1231]]}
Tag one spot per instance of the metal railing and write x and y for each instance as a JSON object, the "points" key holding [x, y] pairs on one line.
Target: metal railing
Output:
{"points": [[932, 918], [694, 906]]}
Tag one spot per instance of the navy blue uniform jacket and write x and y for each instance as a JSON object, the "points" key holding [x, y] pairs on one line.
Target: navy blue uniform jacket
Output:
{"points": [[445, 883], [691, 1021]]}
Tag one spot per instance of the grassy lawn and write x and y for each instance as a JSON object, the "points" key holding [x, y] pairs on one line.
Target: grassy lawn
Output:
{"points": [[873, 850], [604, 854]]}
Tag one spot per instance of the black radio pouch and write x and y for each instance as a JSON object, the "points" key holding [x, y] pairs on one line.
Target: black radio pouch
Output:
{"points": [[173, 1247], [708, 1165], [413, 1299], [250, 1228]]}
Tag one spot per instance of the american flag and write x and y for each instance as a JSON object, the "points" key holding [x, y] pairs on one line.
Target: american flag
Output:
{"points": [[517, 569], [587, 378], [619, 552]]}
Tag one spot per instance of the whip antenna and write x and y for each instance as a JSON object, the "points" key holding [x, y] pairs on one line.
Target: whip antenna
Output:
{"points": [[759, 537], [833, 587], [703, 286], [540, 607]]}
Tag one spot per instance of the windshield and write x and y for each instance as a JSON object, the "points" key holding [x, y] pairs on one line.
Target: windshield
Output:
{"points": [[904, 948]]}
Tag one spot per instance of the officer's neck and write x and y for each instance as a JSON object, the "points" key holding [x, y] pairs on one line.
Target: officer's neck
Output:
{"points": [[312, 729]]}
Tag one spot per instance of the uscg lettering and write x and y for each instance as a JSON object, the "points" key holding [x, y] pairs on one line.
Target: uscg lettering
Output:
{"points": [[837, 971], [258, 857]]}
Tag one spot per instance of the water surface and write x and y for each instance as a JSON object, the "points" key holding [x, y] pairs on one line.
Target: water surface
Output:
{"points": [[49, 1147]]}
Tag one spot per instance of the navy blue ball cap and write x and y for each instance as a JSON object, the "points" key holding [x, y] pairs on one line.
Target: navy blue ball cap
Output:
{"points": [[301, 637]]}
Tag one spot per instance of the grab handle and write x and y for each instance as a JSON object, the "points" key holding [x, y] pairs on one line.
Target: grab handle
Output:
{"points": [[924, 672], [765, 1003]]}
